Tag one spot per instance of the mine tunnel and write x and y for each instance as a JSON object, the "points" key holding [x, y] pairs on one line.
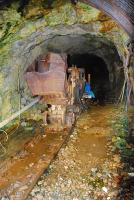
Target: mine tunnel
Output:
{"points": [[51, 80], [106, 76], [97, 68], [66, 82], [99, 58]]}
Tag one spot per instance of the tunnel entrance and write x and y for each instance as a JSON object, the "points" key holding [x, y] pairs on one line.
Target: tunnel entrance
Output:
{"points": [[97, 68]]}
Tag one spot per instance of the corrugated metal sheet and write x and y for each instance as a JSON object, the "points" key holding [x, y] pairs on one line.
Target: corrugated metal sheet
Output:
{"points": [[121, 10]]}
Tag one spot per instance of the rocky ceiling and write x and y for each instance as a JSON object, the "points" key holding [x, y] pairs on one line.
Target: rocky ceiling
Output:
{"points": [[121, 10]]}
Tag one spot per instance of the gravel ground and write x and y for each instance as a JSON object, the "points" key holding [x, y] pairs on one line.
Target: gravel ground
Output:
{"points": [[87, 167]]}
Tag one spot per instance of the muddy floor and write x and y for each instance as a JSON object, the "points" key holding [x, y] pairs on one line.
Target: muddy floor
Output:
{"points": [[87, 167], [29, 151]]}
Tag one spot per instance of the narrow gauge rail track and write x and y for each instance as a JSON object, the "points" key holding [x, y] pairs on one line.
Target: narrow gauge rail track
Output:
{"points": [[20, 172]]}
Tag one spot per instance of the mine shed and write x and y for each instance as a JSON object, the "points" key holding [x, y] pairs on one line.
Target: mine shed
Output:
{"points": [[66, 100]]}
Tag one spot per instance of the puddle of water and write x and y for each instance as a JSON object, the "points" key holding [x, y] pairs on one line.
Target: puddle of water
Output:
{"points": [[93, 131], [16, 142], [91, 145], [86, 148]]}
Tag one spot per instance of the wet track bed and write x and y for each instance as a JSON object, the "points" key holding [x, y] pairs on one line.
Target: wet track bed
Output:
{"points": [[29, 152], [87, 167]]}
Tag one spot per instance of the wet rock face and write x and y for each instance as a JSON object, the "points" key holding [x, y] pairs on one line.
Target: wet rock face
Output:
{"points": [[65, 28]]}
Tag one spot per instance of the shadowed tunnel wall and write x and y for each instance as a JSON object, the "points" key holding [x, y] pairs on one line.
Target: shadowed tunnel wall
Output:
{"points": [[97, 68], [69, 39]]}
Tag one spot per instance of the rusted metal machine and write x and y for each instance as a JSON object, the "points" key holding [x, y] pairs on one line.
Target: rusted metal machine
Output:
{"points": [[59, 87], [47, 78]]}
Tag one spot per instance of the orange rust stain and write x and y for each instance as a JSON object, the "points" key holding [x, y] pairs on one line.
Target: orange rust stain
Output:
{"points": [[106, 22], [39, 152], [107, 26], [103, 17]]}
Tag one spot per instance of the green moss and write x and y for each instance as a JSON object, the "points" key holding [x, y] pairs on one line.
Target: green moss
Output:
{"points": [[9, 23], [62, 15], [15, 102], [96, 182], [28, 29], [6, 106], [120, 127], [86, 14], [68, 14], [13, 27], [1, 80]]}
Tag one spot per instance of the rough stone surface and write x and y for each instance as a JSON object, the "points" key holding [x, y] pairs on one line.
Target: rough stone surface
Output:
{"points": [[65, 28]]}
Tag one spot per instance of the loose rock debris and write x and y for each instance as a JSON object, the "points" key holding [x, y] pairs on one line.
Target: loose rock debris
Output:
{"points": [[87, 168]]}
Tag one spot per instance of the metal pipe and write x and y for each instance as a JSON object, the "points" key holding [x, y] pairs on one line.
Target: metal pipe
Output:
{"points": [[6, 121]]}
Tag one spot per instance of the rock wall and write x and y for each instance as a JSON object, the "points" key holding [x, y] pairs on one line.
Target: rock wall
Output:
{"points": [[65, 28]]}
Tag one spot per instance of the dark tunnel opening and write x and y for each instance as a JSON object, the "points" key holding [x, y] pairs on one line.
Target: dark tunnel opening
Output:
{"points": [[97, 68]]}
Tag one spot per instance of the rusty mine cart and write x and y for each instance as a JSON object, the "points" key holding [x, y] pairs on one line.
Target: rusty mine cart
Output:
{"points": [[60, 87]]}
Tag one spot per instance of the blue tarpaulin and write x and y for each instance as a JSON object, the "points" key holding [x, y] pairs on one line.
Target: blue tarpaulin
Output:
{"points": [[88, 91]]}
